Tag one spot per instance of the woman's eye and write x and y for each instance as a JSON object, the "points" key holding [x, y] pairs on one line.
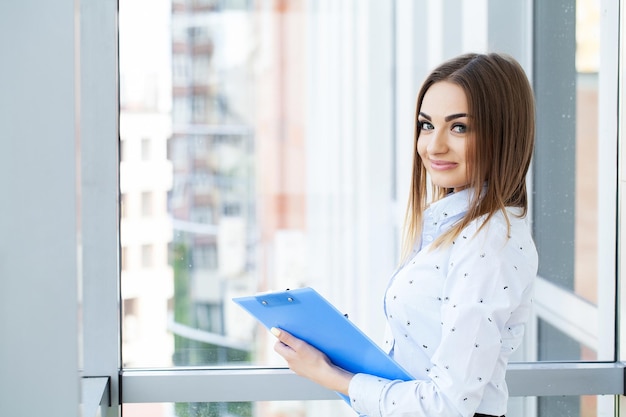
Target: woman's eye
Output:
{"points": [[425, 125], [459, 128]]}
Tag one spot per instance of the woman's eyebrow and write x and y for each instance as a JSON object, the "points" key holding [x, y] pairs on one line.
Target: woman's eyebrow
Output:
{"points": [[447, 118], [455, 116]]}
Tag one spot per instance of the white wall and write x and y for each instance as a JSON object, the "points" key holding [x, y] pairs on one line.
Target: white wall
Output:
{"points": [[39, 280]]}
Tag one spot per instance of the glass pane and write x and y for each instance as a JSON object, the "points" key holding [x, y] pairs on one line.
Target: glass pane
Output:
{"points": [[256, 155], [239, 175], [569, 406], [555, 185], [583, 406], [193, 111], [558, 346], [566, 198]]}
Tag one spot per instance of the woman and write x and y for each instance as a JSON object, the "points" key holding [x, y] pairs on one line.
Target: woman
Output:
{"points": [[457, 306]]}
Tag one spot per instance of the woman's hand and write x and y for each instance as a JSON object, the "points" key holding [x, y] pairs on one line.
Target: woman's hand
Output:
{"points": [[307, 361]]}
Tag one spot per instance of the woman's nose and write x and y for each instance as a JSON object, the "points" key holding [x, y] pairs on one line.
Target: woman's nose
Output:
{"points": [[438, 142]]}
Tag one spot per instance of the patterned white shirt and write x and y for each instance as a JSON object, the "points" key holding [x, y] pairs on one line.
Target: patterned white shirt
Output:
{"points": [[454, 316]]}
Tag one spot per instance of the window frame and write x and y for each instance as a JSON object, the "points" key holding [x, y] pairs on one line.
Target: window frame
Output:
{"points": [[97, 56], [99, 112]]}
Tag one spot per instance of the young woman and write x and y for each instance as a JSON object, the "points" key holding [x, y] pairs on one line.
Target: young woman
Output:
{"points": [[457, 306]]}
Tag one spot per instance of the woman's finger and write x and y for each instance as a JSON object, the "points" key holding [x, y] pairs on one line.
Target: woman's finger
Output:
{"points": [[282, 349], [285, 337]]}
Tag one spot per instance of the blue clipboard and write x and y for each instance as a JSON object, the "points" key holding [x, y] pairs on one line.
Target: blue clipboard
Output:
{"points": [[307, 315]]}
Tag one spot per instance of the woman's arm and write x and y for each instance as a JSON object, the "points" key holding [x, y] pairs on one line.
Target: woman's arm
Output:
{"points": [[307, 361]]}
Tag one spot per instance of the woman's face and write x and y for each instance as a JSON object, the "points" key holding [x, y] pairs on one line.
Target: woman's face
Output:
{"points": [[445, 129]]}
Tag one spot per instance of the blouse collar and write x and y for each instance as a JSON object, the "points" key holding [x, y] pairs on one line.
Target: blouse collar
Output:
{"points": [[451, 206]]}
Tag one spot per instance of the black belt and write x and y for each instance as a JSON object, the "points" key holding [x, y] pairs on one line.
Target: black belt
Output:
{"points": [[484, 415]]}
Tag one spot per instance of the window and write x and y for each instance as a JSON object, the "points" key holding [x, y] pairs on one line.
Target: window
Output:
{"points": [[123, 150], [124, 205], [147, 256], [573, 208], [147, 204], [146, 149], [124, 259], [322, 199]]}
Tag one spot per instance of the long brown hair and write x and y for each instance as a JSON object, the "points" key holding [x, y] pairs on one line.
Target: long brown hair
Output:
{"points": [[501, 103]]}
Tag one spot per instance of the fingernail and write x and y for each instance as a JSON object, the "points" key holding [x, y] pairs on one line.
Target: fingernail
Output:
{"points": [[275, 331]]}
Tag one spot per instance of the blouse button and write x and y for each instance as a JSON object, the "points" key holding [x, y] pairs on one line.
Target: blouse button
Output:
{"points": [[428, 238]]}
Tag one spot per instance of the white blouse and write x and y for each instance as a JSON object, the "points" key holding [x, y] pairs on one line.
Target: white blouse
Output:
{"points": [[454, 316]]}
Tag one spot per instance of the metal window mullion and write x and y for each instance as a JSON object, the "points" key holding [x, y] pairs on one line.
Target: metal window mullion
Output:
{"points": [[607, 183], [236, 385], [621, 253], [99, 194], [581, 321]]}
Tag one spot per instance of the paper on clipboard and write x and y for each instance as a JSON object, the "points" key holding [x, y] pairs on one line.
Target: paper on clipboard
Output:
{"points": [[307, 315]]}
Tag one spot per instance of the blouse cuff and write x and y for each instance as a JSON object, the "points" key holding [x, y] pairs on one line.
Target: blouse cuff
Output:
{"points": [[365, 392]]}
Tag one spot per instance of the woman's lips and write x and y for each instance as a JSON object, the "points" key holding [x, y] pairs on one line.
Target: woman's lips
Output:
{"points": [[442, 165]]}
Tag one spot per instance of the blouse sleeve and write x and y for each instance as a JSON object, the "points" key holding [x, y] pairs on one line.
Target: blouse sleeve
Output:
{"points": [[485, 305]]}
